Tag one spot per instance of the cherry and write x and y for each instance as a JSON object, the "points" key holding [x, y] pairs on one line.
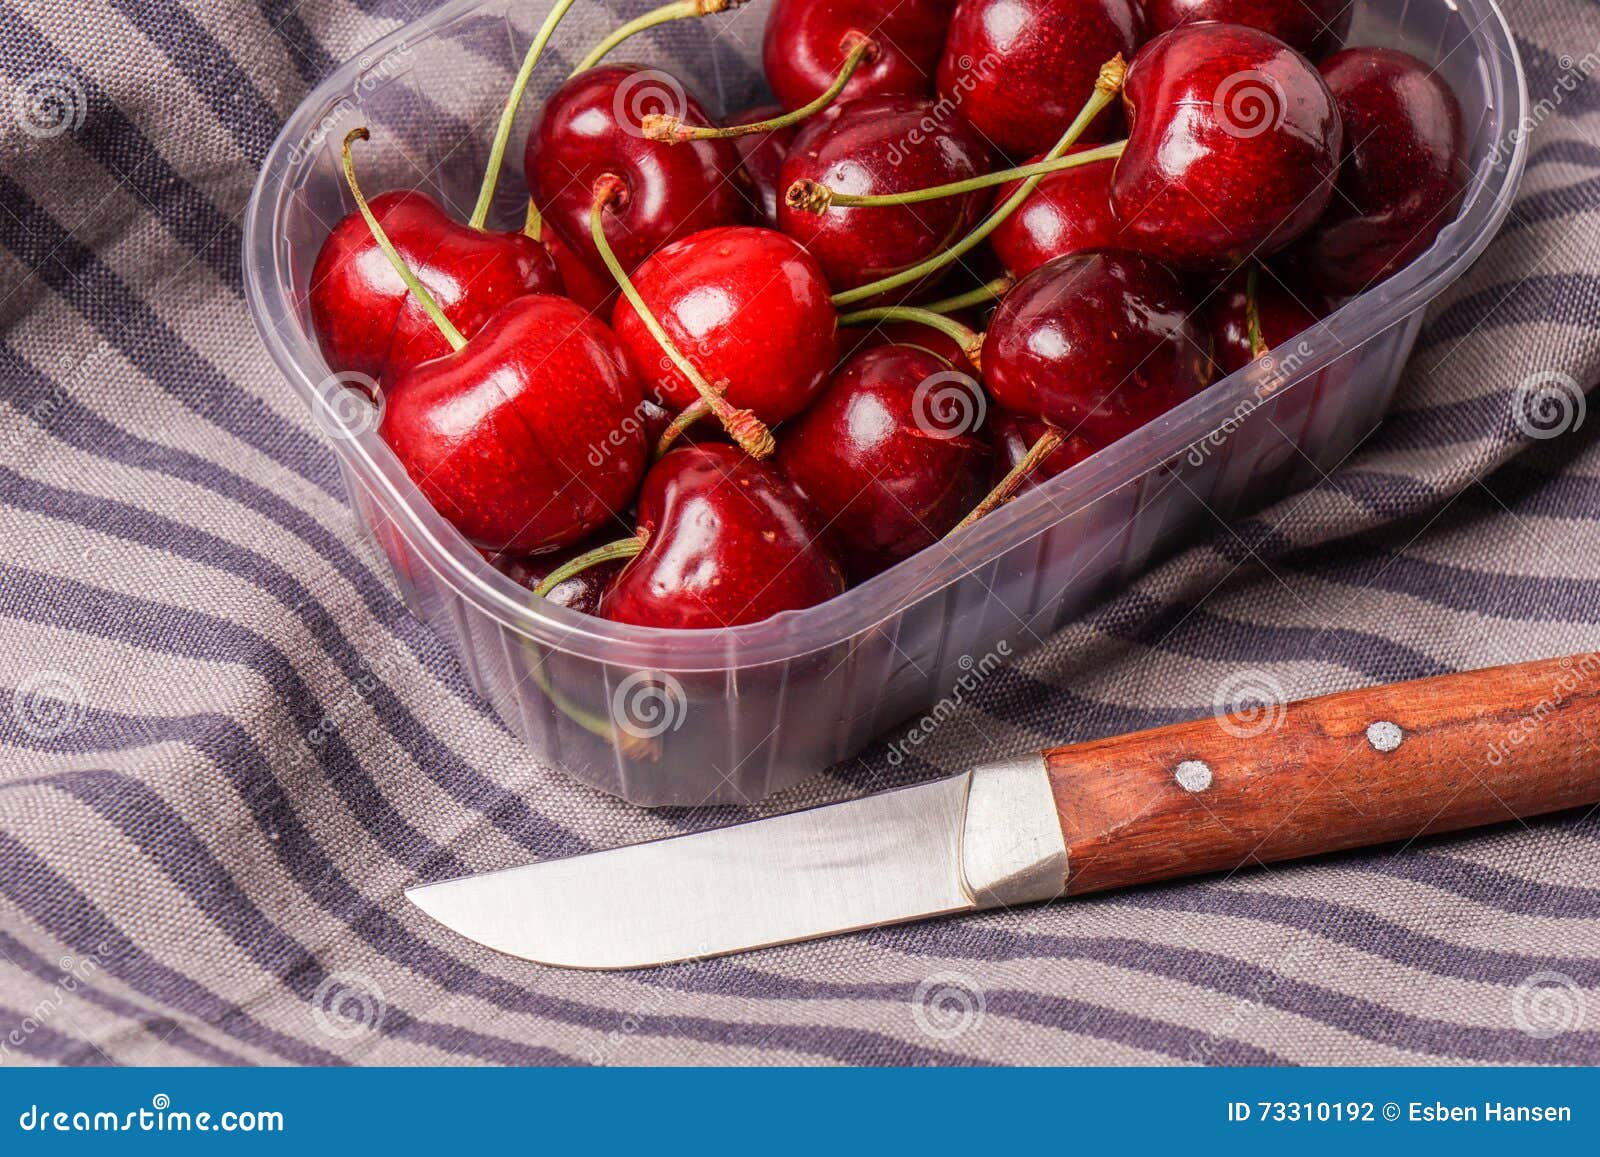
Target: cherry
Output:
{"points": [[1233, 146], [892, 455], [762, 158], [1013, 435], [498, 435], [748, 307], [1402, 178], [1314, 27], [1067, 212], [1020, 69], [365, 319], [882, 145], [1253, 312], [591, 128], [580, 592], [805, 43], [910, 333], [1096, 344], [726, 540], [588, 286]]}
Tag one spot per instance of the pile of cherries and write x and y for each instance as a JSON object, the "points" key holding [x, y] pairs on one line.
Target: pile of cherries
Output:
{"points": [[728, 369]]}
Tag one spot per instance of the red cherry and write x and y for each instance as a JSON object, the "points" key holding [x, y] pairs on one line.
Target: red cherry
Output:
{"points": [[806, 42], [727, 541], [590, 287], [891, 455], [1232, 150], [590, 127], [875, 146], [1096, 344], [1280, 315], [500, 435], [748, 307], [1013, 435], [367, 322], [1402, 179], [1068, 212], [580, 592], [1314, 27], [1020, 70], [762, 157], [910, 333]]}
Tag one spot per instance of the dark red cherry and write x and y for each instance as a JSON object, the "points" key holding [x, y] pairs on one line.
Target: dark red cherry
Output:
{"points": [[910, 333], [594, 289], [590, 127], [748, 307], [1314, 27], [879, 145], [762, 156], [499, 435], [892, 455], [806, 42], [367, 322], [1067, 212], [727, 541], [581, 591], [1096, 344], [1021, 70], [1402, 178], [1013, 435], [1233, 146], [1281, 314]]}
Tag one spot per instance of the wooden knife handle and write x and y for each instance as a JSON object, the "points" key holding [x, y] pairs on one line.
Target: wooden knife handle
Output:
{"points": [[1372, 766]]}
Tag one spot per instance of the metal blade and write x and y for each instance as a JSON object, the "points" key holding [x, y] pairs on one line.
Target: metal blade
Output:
{"points": [[976, 840]]}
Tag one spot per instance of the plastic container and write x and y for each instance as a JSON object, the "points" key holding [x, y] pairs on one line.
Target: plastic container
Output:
{"points": [[688, 718]]}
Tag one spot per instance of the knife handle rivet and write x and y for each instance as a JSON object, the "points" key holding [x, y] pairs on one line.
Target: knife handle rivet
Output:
{"points": [[1384, 736], [1193, 775]]}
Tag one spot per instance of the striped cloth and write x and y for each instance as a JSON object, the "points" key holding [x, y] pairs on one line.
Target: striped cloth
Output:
{"points": [[184, 878]]}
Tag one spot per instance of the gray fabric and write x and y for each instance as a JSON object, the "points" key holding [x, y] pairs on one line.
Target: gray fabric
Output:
{"points": [[185, 877]]}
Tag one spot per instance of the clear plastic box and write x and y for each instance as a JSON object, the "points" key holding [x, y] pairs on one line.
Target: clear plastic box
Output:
{"points": [[687, 718]]}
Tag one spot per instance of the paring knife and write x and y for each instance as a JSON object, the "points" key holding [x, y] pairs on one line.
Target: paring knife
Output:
{"points": [[1363, 767]]}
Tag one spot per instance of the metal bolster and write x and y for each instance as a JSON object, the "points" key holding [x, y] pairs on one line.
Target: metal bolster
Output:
{"points": [[1012, 850]]}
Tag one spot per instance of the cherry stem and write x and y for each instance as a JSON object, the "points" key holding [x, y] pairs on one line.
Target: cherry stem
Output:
{"points": [[1106, 87], [744, 427], [1252, 312], [417, 289], [611, 551], [985, 293], [663, 127], [1049, 442], [807, 195], [970, 341], [502, 133], [680, 10], [533, 224], [688, 416]]}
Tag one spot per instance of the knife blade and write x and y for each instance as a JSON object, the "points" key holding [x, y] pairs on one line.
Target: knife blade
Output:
{"points": [[1371, 766]]}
